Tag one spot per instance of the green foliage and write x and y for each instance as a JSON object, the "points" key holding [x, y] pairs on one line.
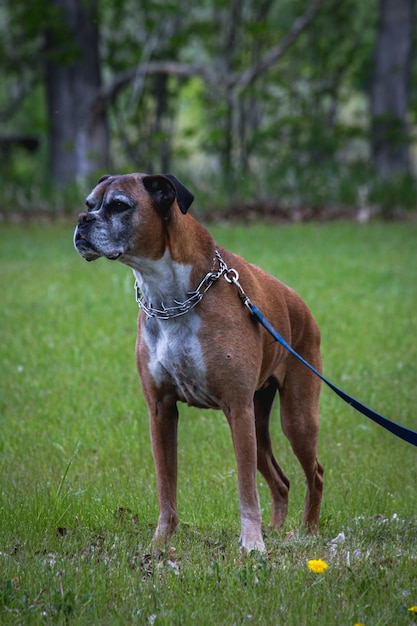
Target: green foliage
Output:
{"points": [[78, 500], [300, 129], [394, 194]]}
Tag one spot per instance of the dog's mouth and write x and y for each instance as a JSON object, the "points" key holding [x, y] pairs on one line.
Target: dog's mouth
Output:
{"points": [[84, 247], [89, 251]]}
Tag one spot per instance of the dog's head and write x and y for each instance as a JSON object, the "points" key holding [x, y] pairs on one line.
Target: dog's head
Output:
{"points": [[126, 215]]}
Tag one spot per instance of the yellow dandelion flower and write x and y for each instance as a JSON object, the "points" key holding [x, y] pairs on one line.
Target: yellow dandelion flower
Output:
{"points": [[413, 609], [317, 566]]}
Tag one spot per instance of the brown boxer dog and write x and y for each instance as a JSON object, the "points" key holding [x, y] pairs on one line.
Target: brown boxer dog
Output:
{"points": [[198, 344]]}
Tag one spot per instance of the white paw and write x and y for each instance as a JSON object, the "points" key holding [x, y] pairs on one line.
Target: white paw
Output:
{"points": [[252, 543]]}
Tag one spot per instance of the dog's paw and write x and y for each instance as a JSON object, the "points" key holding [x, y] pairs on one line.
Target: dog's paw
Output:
{"points": [[165, 530], [253, 542]]}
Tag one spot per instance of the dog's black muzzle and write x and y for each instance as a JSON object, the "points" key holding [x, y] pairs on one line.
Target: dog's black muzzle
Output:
{"points": [[82, 242]]}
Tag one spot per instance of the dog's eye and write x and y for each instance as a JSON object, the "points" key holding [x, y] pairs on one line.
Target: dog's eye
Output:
{"points": [[118, 205], [90, 205]]}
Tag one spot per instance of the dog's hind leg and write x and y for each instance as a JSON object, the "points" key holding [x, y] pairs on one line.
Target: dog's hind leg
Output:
{"points": [[300, 424], [275, 478]]}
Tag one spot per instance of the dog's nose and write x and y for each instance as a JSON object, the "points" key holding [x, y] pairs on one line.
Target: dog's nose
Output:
{"points": [[84, 218]]}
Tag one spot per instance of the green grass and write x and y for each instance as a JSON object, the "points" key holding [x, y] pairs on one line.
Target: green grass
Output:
{"points": [[77, 496]]}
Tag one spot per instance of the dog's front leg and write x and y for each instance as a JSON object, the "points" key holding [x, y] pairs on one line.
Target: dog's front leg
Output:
{"points": [[164, 429], [242, 425]]}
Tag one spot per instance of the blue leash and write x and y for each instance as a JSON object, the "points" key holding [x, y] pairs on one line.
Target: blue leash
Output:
{"points": [[396, 429]]}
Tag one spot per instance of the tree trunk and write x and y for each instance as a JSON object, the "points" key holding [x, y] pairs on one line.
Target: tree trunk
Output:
{"points": [[390, 87], [78, 135]]}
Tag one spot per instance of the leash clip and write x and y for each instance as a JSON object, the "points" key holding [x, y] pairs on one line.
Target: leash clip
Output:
{"points": [[232, 277]]}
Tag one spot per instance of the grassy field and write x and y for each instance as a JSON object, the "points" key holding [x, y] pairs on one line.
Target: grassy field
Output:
{"points": [[77, 497]]}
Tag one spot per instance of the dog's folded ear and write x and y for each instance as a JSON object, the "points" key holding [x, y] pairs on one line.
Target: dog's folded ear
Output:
{"points": [[103, 178], [164, 189], [184, 196]]}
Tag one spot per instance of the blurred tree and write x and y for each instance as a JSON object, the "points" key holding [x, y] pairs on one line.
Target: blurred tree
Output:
{"points": [[143, 78], [390, 86], [78, 132], [267, 96], [320, 115], [244, 43]]}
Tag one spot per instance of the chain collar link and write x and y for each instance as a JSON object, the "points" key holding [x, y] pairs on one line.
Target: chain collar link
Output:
{"points": [[181, 308]]}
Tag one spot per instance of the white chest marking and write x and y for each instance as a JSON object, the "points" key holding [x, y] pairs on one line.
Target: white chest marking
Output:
{"points": [[175, 353], [176, 356]]}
